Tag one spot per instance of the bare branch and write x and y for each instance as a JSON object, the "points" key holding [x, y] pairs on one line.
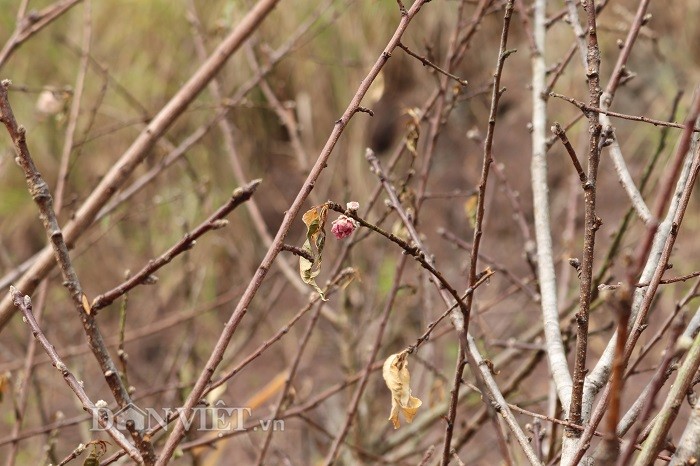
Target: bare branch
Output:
{"points": [[24, 304], [274, 249], [214, 222], [590, 108], [138, 150], [545, 259]]}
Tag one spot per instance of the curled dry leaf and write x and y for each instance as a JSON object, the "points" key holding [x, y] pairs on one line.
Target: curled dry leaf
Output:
{"points": [[398, 380], [413, 130], [315, 221], [99, 448]]}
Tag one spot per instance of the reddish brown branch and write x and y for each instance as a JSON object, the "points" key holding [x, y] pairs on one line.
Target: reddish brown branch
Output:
{"points": [[214, 222], [44, 201], [561, 134], [590, 108], [32, 23], [24, 304], [426, 62], [217, 353], [591, 220]]}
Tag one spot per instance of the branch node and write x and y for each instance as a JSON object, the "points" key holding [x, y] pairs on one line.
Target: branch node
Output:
{"points": [[508, 53], [402, 8]]}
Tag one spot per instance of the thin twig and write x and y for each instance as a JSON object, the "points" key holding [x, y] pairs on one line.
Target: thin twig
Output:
{"points": [[214, 222], [561, 134], [426, 62], [559, 70], [218, 352], [74, 109], [24, 305], [298, 251], [24, 377], [467, 350], [665, 281], [44, 201], [589, 108], [27, 26]]}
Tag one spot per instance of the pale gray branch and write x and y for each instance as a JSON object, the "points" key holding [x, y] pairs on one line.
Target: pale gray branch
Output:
{"points": [[545, 260], [623, 174], [689, 445], [599, 375]]}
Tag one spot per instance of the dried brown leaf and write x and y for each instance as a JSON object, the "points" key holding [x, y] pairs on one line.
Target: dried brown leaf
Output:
{"points": [[398, 379], [315, 221]]}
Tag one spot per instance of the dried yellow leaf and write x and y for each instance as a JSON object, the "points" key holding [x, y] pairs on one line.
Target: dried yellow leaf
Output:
{"points": [[4, 383], [413, 130], [470, 208], [398, 379], [315, 221]]}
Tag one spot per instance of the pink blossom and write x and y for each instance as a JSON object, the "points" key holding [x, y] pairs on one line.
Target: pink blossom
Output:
{"points": [[353, 206], [343, 226]]}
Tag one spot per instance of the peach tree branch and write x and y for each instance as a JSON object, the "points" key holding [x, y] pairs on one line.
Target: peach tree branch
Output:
{"points": [[24, 305], [230, 327], [556, 355], [39, 190], [214, 222], [140, 148]]}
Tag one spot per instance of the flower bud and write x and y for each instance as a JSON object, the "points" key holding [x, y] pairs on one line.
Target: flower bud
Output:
{"points": [[343, 226]]}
